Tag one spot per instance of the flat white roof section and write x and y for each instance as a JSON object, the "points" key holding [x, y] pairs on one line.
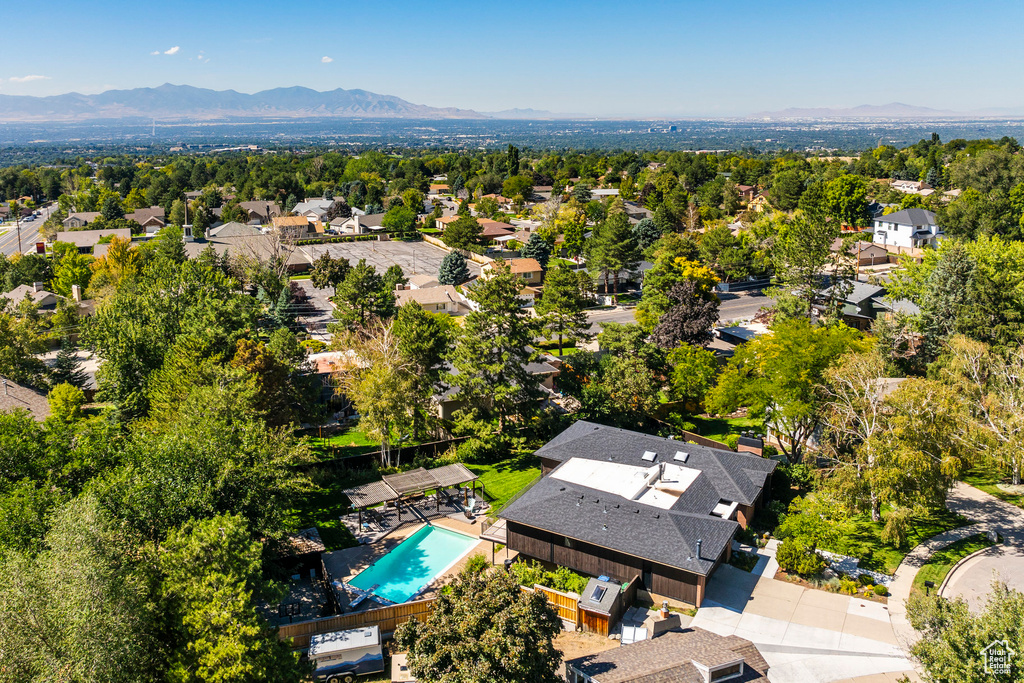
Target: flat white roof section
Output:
{"points": [[658, 486], [725, 510]]}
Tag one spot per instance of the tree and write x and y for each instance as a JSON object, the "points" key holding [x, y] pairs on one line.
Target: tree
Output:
{"points": [[536, 248], [66, 401], [423, 341], [846, 200], [90, 613], [611, 250], [381, 384], [786, 189], [646, 233], [484, 627], [954, 639], [70, 268], [462, 233], [691, 318], [177, 215], [170, 244], [361, 295], [399, 220], [453, 270], [211, 582], [67, 368], [518, 186], [802, 255], [328, 272], [670, 269], [492, 352], [562, 306], [777, 377], [693, 372], [112, 209]]}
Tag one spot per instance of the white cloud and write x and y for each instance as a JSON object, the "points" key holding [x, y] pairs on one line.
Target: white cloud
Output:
{"points": [[28, 79], [326, 60], [155, 52], [173, 50]]}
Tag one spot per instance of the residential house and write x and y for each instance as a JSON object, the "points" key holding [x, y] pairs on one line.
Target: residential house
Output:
{"points": [[622, 504], [438, 188], [80, 219], [911, 186], [503, 202], [601, 193], [445, 403], [637, 212], [44, 299], [315, 210], [290, 227], [526, 268], [950, 195], [747, 193], [860, 305], [14, 396], [260, 212], [85, 240], [359, 224], [442, 222], [422, 281], [233, 229], [863, 253], [760, 203], [152, 219], [909, 228], [439, 299], [492, 229], [692, 655]]}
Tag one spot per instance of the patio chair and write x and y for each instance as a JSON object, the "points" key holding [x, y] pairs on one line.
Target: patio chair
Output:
{"points": [[470, 507]]}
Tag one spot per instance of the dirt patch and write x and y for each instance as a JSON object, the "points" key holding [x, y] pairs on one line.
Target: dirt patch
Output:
{"points": [[573, 644]]}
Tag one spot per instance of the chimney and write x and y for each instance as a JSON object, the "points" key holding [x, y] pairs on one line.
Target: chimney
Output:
{"points": [[661, 471], [5, 386], [37, 286], [664, 609], [699, 543], [76, 293]]}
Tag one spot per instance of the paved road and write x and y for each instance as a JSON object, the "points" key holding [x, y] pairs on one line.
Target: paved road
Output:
{"points": [[972, 579], [29, 234], [738, 306]]}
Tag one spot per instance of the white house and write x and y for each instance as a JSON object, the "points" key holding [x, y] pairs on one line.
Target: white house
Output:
{"points": [[910, 228]]}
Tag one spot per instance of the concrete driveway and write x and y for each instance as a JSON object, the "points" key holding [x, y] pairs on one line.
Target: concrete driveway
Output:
{"points": [[805, 635]]}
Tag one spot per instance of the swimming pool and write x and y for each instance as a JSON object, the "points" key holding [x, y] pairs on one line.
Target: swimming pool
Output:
{"points": [[413, 563]]}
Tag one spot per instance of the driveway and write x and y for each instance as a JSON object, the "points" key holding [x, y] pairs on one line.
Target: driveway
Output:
{"points": [[805, 635]]}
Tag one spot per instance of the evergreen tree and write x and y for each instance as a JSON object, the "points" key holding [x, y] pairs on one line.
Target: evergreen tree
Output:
{"points": [[453, 270], [536, 248], [612, 250], [561, 307], [646, 233], [68, 368], [491, 354]]}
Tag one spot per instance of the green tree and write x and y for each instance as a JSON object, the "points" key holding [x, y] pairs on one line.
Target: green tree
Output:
{"points": [[453, 270], [846, 200], [954, 638], [112, 209], [484, 627], [777, 376], [170, 244], [328, 272], [362, 294], [802, 255], [611, 250], [66, 401], [646, 233], [212, 579], [693, 372], [70, 268], [400, 221], [462, 233], [67, 368], [177, 215], [536, 248], [562, 306], [492, 352], [423, 341], [518, 186]]}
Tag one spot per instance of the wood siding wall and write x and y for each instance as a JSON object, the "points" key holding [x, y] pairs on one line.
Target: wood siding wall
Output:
{"points": [[597, 561]]}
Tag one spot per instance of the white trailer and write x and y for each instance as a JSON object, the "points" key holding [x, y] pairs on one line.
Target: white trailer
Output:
{"points": [[340, 656]]}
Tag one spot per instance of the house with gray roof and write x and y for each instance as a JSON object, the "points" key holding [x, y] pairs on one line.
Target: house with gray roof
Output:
{"points": [[14, 396], [622, 504], [909, 228]]}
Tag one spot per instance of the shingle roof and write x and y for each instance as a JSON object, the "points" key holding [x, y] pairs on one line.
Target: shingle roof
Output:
{"points": [[443, 294], [90, 238], [670, 658], [235, 229], [15, 396], [910, 217]]}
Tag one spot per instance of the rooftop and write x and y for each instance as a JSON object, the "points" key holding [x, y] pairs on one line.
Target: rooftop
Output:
{"points": [[15, 396]]}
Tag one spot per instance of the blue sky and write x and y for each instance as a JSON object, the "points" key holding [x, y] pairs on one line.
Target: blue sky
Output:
{"points": [[603, 58]]}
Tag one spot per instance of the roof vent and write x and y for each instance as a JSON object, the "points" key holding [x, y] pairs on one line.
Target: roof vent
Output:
{"points": [[681, 456], [649, 456], [604, 527], [657, 515]]}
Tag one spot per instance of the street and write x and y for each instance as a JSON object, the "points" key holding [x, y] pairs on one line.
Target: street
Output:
{"points": [[735, 306], [29, 233]]}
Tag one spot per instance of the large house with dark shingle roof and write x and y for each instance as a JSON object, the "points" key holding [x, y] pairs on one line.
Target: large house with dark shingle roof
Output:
{"points": [[623, 504]]}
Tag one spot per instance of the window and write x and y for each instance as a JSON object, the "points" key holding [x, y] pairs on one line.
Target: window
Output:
{"points": [[568, 542], [727, 672]]}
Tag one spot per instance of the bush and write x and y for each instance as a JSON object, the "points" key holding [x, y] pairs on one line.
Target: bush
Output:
{"points": [[880, 590], [475, 450], [848, 587], [476, 564], [732, 441], [865, 580], [796, 558], [746, 536]]}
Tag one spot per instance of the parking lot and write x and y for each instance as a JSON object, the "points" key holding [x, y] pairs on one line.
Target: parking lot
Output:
{"points": [[413, 257]]}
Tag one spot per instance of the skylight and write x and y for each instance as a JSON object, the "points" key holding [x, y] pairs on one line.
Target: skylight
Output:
{"points": [[649, 456], [598, 594], [681, 456]]}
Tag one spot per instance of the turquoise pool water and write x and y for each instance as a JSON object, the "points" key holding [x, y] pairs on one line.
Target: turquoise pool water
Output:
{"points": [[413, 563]]}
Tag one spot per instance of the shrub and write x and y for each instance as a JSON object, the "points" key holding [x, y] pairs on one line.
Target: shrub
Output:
{"points": [[848, 587], [865, 580], [732, 441], [476, 564], [746, 536], [880, 590], [769, 450], [482, 451], [796, 558]]}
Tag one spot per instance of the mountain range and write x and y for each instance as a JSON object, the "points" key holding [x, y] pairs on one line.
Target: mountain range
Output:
{"points": [[893, 110], [184, 102]]}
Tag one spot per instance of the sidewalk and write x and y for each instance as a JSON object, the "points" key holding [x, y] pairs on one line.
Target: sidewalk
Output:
{"points": [[989, 514]]}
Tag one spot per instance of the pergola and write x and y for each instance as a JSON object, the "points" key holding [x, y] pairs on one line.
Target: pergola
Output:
{"points": [[420, 480]]}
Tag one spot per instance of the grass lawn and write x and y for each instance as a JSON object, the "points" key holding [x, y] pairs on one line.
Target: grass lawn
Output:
{"points": [[350, 441], [987, 479], [863, 538], [944, 560], [504, 479], [321, 504], [718, 428], [304, 276]]}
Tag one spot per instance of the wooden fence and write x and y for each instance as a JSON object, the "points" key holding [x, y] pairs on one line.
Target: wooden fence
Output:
{"points": [[387, 618], [566, 604]]}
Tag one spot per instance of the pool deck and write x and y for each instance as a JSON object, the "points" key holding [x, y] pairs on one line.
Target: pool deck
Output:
{"points": [[347, 563]]}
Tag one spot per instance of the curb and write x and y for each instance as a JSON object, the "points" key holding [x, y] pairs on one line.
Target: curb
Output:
{"points": [[952, 570]]}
